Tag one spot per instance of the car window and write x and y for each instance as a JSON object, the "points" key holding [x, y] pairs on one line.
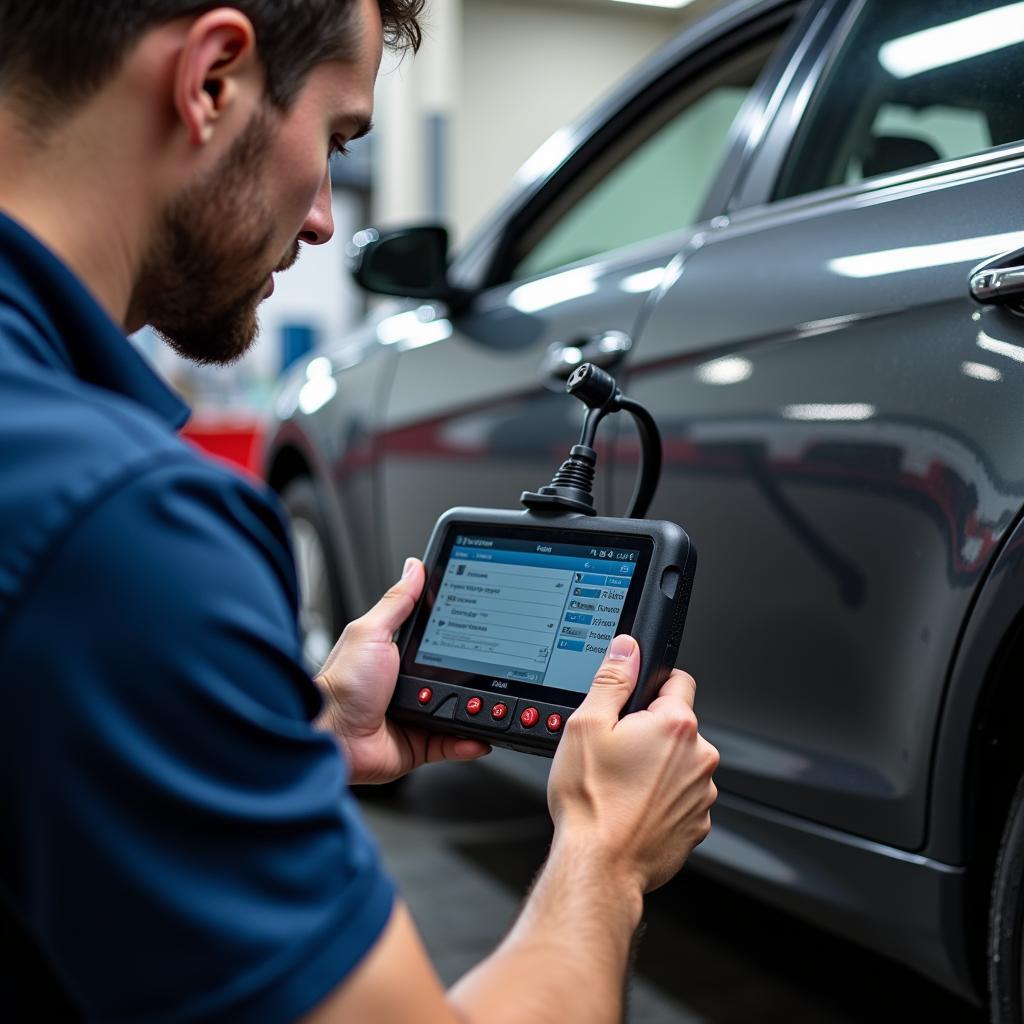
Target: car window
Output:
{"points": [[912, 84], [652, 179]]}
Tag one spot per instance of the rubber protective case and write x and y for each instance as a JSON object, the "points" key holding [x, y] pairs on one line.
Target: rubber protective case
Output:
{"points": [[439, 705]]}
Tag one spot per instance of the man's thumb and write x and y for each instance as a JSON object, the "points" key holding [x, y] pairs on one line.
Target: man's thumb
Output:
{"points": [[615, 679], [388, 614]]}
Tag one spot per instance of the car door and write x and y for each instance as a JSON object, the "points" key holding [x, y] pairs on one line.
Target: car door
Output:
{"points": [[476, 412], [841, 418]]}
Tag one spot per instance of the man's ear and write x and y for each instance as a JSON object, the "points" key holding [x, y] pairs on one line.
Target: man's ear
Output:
{"points": [[216, 61]]}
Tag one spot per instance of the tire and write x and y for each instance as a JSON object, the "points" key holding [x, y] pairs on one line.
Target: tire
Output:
{"points": [[321, 618], [1006, 921]]}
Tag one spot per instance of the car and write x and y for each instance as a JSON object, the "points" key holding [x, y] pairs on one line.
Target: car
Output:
{"points": [[796, 234]]}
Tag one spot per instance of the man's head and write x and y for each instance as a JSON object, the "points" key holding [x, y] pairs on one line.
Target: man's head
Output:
{"points": [[228, 112]]}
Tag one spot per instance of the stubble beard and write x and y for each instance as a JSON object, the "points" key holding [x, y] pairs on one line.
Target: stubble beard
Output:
{"points": [[207, 269]]}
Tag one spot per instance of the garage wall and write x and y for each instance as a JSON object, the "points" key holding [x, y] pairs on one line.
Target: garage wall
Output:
{"points": [[494, 79], [527, 69]]}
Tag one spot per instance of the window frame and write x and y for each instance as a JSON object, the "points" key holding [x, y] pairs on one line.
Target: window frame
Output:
{"points": [[490, 259], [757, 190], [632, 135]]}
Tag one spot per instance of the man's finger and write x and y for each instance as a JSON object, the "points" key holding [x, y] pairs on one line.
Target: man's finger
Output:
{"points": [[615, 679], [679, 684], [453, 748], [388, 614]]}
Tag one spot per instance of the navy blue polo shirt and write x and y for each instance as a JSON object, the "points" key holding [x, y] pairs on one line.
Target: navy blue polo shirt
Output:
{"points": [[177, 840]]}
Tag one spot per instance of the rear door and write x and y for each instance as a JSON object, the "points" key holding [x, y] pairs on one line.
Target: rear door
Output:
{"points": [[842, 420], [477, 412]]}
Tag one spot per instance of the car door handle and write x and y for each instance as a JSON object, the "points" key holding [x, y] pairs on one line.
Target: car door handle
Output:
{"points": [[1005, 285], [1002, 285], [604, 350]]}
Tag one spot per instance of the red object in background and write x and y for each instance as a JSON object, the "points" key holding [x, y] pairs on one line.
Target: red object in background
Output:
{"points": [[237, 441]]}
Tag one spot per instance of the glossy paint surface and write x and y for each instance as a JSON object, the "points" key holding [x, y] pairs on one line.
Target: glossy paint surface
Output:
{"points": [[842, 430]]}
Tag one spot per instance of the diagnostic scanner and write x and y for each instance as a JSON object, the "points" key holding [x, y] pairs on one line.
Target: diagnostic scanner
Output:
{"points": [[520, 606]]}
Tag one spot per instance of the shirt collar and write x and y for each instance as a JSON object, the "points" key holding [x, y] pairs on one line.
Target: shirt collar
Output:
{"points": [[74, 333]]}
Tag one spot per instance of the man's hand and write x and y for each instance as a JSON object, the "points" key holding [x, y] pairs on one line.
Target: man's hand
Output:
{"points": [[358, 680], [630, 799], [637, 789]]}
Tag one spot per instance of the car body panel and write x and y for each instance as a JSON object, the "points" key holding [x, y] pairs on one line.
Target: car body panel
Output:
{"points": [[901, 905], [828, 493], [329, 407]]}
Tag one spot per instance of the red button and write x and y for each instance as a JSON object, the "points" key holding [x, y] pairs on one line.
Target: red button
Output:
{"points": [[499, 711], [424, 695], [554, 723], [473, 705], [530, 717]]}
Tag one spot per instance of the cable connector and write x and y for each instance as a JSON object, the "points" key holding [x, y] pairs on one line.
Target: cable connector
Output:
{"points": [[571, 488], [594, 387]]}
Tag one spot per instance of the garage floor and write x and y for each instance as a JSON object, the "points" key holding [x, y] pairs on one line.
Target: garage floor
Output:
{"points": [[464, 841]]}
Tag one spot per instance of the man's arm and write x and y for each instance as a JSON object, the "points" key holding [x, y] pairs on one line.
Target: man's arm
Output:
{"points": [[630, 799]]}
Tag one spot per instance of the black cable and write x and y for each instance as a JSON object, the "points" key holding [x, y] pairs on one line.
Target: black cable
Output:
{"points": [[649, 473], [590, 425]]}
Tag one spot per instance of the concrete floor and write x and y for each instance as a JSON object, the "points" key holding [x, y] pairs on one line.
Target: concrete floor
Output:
{"points": [[464, 841]]}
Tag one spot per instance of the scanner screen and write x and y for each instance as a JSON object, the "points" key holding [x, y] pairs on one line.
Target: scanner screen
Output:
{"points": [[528, 611]]}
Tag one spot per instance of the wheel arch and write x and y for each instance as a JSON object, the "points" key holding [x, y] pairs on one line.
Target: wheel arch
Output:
{"points": [[286, 463], [978, 758], [290, 456]]}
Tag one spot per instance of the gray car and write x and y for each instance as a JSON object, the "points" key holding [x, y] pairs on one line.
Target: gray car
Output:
{"points": [[797, 236]]}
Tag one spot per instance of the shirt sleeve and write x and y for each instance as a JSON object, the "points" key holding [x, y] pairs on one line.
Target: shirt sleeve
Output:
{"points": [[184, 845]]}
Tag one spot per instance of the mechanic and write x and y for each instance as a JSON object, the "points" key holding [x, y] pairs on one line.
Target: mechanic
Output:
{"points": [[179, 843]]}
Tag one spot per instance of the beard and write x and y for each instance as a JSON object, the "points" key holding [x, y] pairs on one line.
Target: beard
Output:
{"points": [[206, 272]]}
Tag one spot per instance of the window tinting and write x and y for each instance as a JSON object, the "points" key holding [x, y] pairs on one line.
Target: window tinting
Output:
{"points": [[652, 180], [912, 84]]}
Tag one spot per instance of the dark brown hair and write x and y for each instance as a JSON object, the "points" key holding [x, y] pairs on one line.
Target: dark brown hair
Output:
{"points": [[56, 53]]}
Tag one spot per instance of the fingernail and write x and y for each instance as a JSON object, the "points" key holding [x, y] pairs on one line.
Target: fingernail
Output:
{"points": [[621, 648], [410, 565]]}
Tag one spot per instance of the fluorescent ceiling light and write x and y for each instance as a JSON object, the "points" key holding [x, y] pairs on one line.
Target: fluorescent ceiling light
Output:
{"points": [[981, 371], [676, 4], [645, 281], [919, 257], [956, 41], [1002, 348], [829, 411], [550, 154], [316, 393], [319, 367], [550, 291], [414, 329], [727, 370]]}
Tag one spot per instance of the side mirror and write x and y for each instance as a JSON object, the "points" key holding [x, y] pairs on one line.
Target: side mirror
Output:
{"points": [[410, 262]]}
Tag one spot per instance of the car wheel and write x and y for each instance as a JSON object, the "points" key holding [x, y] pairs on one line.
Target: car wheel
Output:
{"points": [[320, 614], [1006, 921]]}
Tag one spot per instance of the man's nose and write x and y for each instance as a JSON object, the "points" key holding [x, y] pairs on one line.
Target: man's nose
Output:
{"points": [[319, 225]]}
